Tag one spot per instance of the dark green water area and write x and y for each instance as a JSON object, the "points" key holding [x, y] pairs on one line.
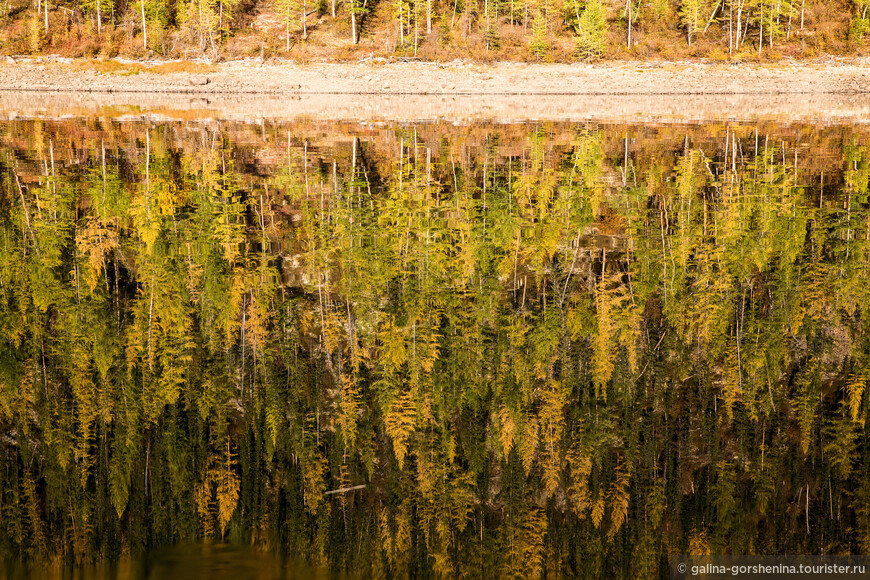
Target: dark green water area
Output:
{"points": [[319, 349]]}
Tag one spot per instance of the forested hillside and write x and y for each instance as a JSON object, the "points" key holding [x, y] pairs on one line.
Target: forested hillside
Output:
{"points": [[486, 30]]}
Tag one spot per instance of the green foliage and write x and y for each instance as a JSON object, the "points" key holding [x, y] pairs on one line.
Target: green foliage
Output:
{"points": [[859, 27], [35, 37], [591, 28], [539, 44], [692, 17]]}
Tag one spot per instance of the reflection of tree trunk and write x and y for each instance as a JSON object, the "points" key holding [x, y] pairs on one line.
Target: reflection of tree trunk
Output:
{"points": [[150, 319], [26, 213], [242, 331], [344, 489], [147, 173]]}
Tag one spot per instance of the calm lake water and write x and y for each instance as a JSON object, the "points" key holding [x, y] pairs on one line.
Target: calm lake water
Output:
{"points": [[374, 350]]}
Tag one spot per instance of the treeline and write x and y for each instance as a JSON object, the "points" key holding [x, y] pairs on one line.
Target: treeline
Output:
{"points": [[576, 352], [542, 30]]}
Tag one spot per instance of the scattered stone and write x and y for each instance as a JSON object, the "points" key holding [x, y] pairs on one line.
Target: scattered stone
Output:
{"points": [[199, 81], [10, 60]]}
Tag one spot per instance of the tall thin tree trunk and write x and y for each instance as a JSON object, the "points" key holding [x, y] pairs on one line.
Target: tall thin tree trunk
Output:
{"points": [[144, 28], [770, 32], [486, 12], [730, 27], [760, 29], [46, 17], [99, 19], [353, 37]]}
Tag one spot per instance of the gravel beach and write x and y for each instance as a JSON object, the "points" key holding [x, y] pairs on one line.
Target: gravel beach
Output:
{"points": [[850, 76]]}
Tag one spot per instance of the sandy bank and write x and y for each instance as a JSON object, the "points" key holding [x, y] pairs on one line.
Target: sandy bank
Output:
{"points": [[814, 108], [381, 78]]}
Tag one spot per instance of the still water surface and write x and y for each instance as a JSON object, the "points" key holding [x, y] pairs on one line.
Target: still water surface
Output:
{"points": [[387, 350]]}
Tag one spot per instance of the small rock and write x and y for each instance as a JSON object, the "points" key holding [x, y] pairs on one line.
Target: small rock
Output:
{"points": [[10, 60], [199, 81]]}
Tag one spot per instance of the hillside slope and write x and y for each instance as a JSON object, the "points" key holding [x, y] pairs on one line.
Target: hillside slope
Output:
{"points": [[439, 30]]}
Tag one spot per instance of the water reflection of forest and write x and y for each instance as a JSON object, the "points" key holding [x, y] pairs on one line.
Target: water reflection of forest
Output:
{"points": [[540, 349]]}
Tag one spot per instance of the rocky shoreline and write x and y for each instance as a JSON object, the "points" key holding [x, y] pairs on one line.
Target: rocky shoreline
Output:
{"points": [[47, 74]]}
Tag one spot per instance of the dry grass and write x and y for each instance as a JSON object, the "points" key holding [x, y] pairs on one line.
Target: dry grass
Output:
{"points": [[116, 67]]}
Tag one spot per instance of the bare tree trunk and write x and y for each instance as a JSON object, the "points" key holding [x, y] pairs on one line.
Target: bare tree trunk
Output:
{"points": [[739, 14], [304, 24], [760, 29], [428, 16], [99, 19], [144, 29], [770, 32], [353, 22], [730, 27], [628, 8], [333, 8], [46, 17]]}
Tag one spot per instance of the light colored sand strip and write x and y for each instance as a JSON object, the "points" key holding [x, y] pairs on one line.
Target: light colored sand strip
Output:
{"points": [[456, 109], [615, 78]]}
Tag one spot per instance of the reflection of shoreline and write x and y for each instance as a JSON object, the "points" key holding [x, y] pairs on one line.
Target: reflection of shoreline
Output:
{"points": [[454, 108]]}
